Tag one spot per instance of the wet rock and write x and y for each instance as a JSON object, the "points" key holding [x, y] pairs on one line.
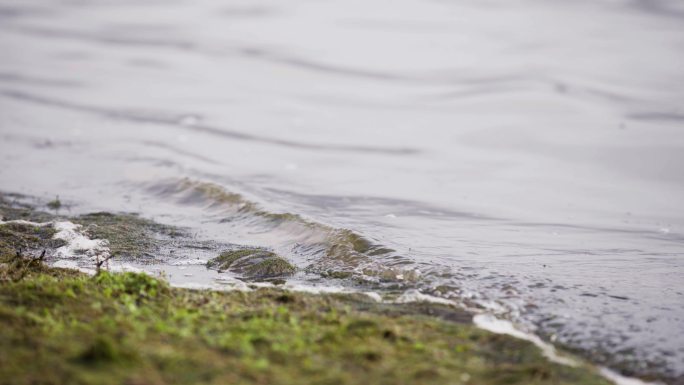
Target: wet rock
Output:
{"points": [[128, 235], [334, 274], [252, 263]]}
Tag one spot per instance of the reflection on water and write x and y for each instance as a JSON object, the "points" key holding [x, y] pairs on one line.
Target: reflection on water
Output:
{"points": [[520, 155]]}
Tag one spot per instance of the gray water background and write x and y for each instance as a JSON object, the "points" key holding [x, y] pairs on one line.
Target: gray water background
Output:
{"points": [[526, 154]]}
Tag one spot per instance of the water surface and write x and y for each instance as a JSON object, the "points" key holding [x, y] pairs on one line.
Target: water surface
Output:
{"points": [[524, 155]]}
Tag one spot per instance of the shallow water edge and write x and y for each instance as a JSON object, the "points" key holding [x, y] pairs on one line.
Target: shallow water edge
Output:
{"points": [[70, 245]]}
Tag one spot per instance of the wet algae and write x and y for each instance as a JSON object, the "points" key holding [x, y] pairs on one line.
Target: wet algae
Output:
{"points": [[252, 263], [128, 235]]}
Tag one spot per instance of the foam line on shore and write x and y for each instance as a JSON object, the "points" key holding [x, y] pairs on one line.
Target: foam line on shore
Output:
{"points": [[495, 325]]}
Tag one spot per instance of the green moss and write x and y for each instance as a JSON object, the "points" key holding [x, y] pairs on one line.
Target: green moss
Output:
{"points": [[226, 259], [21, 251], [252, 263], [26, 236], [77, 331], [59, 326], [128, 234], [268, 268], [104, 350], [13, 206]]}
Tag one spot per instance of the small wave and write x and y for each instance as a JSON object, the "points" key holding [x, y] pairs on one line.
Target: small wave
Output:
{"points": [[322, 247]]}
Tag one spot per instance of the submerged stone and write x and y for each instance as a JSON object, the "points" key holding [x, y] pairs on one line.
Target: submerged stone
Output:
{"points": [[54, 204], [252, 263], [334, 274]]}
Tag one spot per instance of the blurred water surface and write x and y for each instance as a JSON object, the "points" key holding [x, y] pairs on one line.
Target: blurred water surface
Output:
{"points": [[525, 154]]}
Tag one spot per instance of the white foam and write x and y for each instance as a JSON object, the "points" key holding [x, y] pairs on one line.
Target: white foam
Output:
{"points": [[24, 222], [374, 296], [77, 244], [237, 286], [490, 323], [619, 379], [492, 306], [317, 289], [124, 268], [416, 296], [186, 262], [66, 264]]}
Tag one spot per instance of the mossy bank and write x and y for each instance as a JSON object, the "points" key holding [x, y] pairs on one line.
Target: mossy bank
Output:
{"points": [[63, 327]]}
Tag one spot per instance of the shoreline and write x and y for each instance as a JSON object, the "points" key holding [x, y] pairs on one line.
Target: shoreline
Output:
{"points": [[441, 314]]}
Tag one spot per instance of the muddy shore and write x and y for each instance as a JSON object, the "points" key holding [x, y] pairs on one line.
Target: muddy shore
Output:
{"points": [[65, 326]]}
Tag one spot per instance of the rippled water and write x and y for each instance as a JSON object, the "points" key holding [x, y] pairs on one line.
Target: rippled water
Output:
{"points": [[521, 155]]}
